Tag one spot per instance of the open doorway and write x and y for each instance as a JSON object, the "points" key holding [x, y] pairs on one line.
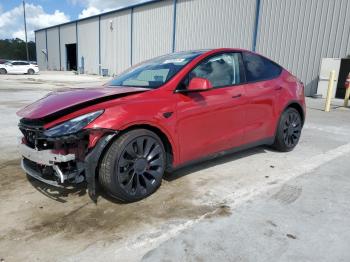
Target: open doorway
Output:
{"points": [[343, 73], [71, 51]]}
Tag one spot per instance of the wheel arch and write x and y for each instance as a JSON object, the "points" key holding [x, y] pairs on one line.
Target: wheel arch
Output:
{"points": [[292, 104], [167, 142], [94, 158], [297, 106]]}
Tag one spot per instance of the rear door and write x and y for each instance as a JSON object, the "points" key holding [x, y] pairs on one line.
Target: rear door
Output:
{"points": [[262, 91], [212, 121], [23, 67]]}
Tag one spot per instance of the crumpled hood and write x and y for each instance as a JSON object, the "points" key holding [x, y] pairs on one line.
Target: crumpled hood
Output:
{"points": [[58, 101]]}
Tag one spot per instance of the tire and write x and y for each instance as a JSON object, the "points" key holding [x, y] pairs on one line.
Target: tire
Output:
{"points": [[288, 130], [31, 72], [3, 71], [133, 166]]}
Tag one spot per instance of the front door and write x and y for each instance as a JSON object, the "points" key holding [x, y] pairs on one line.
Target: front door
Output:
{"points": [[213, 120], [16, 67]]}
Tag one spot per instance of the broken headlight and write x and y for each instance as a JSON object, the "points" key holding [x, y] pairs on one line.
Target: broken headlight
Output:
{"points": [[72, 126]]}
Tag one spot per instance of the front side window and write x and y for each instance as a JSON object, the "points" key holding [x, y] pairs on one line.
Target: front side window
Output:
{"points": [[259, 68], [221, 70], [155, 72]]}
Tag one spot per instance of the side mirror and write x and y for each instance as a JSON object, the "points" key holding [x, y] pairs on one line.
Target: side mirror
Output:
{"points": [[198, 84]]}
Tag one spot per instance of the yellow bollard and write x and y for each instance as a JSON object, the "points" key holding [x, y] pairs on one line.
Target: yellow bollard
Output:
{"points": [[329, 91], [347, 95]]}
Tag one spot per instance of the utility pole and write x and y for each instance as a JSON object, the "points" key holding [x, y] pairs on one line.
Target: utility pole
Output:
{"points": [[25, 28]]}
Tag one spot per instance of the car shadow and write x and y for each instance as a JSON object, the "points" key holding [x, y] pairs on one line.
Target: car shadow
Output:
{"points": [[188, 169], [61, 194]]}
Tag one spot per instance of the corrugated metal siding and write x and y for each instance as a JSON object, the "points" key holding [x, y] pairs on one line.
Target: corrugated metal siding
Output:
{"points": [[152, 30], [115, 41], [88, 45], [40, 38], [214, 23], [53, 49], [68, 36], [298, 33]]}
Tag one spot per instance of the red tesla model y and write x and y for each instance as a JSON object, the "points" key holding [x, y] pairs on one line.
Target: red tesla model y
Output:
{"points": [[160, 115]]}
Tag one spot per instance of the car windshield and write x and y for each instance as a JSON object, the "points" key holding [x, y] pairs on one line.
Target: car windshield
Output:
{"points": [[154, 72]]}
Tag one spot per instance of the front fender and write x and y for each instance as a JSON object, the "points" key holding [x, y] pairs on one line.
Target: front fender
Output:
{"points": [[91, 162], [159, 114], [169, 134]]}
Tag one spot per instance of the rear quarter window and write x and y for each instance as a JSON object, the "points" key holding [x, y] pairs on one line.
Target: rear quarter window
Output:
{"points": [[259, 68]]}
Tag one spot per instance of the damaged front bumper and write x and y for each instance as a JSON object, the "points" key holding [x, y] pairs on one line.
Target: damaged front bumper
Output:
{"points": [[33, 159], [63, 161], [44, 157], [53, 169], [34, 173]]}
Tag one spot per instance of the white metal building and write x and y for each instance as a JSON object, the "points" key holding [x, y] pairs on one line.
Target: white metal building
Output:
{"points": [[296, 34]]}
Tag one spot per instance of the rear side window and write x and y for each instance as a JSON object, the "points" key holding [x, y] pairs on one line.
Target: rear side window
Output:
{"points": [[259, 68]]}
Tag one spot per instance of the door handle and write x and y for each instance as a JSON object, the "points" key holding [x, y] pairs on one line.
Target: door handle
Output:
{"points": [[278, 88], [237, 96]]}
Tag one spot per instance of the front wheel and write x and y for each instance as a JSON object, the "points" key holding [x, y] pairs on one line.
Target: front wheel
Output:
{"points": [[288, 130], [3, 71], [133, 166]]}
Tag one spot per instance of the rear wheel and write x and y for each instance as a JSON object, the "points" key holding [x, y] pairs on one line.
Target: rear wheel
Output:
{"points": [[133, 166], [3, 71], [31, 72], [288, 130]]}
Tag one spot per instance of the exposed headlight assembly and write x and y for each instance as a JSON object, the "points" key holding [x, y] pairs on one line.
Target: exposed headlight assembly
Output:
{"points": [[72, 126]]}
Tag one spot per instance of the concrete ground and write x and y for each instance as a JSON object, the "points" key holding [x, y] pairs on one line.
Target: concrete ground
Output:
{"points": [[49, 80], [257, 205]]}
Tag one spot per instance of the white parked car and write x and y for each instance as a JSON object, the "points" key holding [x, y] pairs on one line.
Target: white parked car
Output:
{"points": [[18, 67]]}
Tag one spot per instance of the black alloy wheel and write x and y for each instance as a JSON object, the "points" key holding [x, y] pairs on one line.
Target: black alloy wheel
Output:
{"points": [[133, 167], [292, 128], [141, 166], [288, 130]]}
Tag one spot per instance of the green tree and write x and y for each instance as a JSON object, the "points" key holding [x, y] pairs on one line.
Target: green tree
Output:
{"points": [[15, 49]]}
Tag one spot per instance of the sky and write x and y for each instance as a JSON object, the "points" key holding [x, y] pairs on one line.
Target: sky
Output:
{"points": [[44, 13]]}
